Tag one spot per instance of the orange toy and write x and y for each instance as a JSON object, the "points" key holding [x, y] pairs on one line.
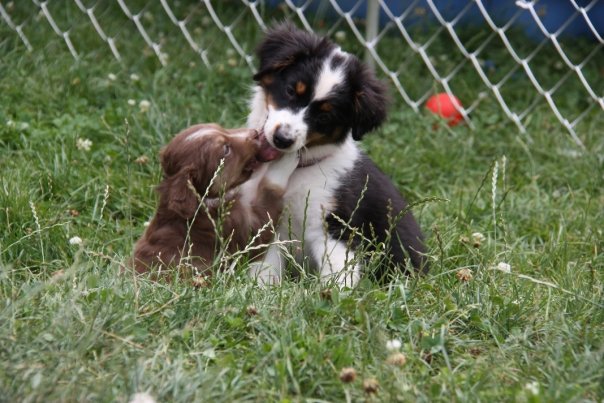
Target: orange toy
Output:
{"points": [[444, 105]]}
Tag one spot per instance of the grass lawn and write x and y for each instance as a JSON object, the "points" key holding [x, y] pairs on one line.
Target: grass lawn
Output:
{"points": [[73, 327]]}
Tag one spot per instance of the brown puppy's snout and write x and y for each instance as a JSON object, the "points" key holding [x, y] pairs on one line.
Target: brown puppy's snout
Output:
{"points": [[243, 134], [253, 136], [245, 143]]}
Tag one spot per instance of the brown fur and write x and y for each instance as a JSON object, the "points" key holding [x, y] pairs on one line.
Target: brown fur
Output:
{"points": [[188, 166], [326, 107], [300, 88]]}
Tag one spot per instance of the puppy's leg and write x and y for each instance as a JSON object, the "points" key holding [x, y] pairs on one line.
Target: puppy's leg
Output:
{"points": [[249, 189], [279, 171], [270, 201], [335, 262], [269, 270]]}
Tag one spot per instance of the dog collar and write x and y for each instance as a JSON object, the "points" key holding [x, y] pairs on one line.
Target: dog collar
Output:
{"points": [[310, 162]]}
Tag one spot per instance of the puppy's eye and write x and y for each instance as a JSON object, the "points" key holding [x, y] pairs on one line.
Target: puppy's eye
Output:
{"points": [[226, 149], [323, 118], [290, 91]]}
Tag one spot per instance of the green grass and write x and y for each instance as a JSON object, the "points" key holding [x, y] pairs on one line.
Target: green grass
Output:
{"points": [[73, 327]]}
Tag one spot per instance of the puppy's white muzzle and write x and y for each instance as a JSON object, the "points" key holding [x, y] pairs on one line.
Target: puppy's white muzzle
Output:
{"points": [[285, 129]]}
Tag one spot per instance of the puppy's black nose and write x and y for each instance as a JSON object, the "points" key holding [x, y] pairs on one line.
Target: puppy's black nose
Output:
{"points": [[281, 140]]}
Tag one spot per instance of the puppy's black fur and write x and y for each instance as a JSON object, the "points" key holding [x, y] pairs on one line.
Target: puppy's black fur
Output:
{"points": [[379, 215]]}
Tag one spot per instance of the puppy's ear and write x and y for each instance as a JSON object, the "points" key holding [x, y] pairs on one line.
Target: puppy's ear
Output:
{"points": [[168, 156], [284, 45], [181, 197], [370, 99]]}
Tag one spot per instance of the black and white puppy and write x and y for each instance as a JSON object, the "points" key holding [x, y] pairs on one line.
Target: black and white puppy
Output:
{"points": [[315, 99]]}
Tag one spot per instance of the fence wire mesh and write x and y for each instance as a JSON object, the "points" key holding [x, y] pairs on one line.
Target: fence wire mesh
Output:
{"points": [[465, 48]]}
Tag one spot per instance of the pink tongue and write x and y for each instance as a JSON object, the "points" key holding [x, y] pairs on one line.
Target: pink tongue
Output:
{"points": [[267, 152]]}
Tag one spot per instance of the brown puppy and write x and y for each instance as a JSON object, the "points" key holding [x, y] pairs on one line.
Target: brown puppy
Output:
{"points": [[182, 230]]}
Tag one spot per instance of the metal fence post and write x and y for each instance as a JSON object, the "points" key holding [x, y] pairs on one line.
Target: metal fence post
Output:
{"points": [[371, 29]]}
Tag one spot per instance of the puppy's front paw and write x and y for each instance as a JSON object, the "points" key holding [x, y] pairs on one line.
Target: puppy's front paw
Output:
{"points": [[264, 274], [280, 170], [348, 278]]}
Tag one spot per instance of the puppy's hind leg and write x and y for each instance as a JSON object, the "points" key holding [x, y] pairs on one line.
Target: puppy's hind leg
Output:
{"points": [[335, 261]]}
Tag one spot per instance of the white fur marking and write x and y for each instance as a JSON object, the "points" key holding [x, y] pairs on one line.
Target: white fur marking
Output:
{"points": [[204, 132], [240, 135], [258, 113], [199, 134], [290, 122], [328, 79]]}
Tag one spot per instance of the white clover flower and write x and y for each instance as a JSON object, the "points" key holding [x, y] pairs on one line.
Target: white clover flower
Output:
{"points": [[24, 126], [10, 123], [142, 397], [478, 237], [340, 36], [504, 267], [112, 77], [83, 144], [134, 77], [146, 224], [131, 102], [532, 387], [76, 240], [144, 106], [393, 345]]}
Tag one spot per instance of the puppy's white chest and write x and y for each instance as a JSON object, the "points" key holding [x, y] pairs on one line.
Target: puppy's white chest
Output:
{"points": [[309, 197], [311, 192]]}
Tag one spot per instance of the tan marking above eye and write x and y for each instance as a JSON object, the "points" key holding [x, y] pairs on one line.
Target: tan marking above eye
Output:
{"points": [[267, 79], [326, 107], [300, 88]]}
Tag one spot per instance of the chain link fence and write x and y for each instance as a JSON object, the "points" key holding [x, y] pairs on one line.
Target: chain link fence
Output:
{"points": [[480, 50]]}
